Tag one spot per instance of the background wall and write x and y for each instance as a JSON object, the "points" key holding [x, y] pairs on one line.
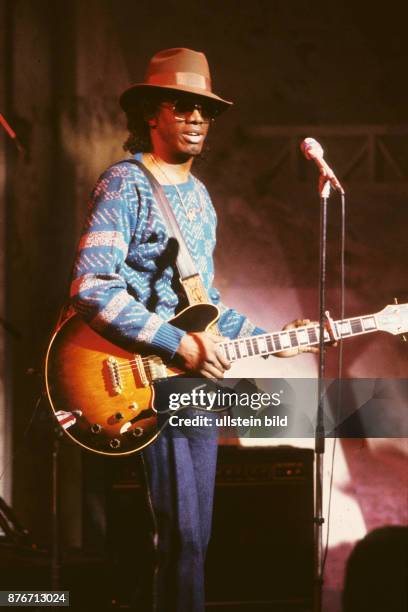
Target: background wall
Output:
{"points": [[289, 64]]}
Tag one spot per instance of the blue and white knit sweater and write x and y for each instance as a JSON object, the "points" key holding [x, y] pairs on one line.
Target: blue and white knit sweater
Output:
{"points": [[120, 286]]}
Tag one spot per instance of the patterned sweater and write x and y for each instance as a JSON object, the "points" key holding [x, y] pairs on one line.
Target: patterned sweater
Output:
{"points": [[122, 278]]}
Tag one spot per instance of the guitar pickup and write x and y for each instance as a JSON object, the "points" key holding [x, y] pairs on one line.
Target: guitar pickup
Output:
{"points": [[114, 375], [150, 369]]}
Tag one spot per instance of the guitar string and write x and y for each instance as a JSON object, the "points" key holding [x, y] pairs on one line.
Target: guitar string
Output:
{"points": [[148, 361], [233, 343]]}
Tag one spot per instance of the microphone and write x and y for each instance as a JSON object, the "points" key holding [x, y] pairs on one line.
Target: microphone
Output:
{"points": [[311, 149]]}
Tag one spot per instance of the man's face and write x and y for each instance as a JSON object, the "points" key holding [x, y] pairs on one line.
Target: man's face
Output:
{"points": [[179, 127]]}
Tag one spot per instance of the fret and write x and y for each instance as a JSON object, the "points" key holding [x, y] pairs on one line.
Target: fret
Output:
{"points": [[277, 342], [269, 344], [249, 347], [231, 350], [261, 340], [293, 338], [221, 349], [227, 352], [243, 348], [312, 333], [343, 328], [302, 336], [284, 339], [356, 326], [237, 349], [255, 346], [326, 335], [337, 329]]}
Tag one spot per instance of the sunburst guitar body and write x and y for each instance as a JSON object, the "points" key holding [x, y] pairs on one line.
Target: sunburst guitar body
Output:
{"points": [[106, 398]]}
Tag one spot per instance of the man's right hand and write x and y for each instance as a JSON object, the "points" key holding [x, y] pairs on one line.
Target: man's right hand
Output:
{"points": [[198, 352]]}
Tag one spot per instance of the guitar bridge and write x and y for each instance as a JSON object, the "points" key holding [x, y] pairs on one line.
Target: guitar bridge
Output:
{"points": [[150, 368], [114, 374]]}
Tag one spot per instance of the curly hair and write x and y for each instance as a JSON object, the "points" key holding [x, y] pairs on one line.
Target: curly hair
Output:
{"points": [[137, 124]]}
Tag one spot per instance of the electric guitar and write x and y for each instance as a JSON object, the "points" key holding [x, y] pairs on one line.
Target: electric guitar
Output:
{"points": [[105, 398]]}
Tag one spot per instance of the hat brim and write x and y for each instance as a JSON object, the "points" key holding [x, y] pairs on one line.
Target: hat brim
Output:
{"points": [[132, 95]]}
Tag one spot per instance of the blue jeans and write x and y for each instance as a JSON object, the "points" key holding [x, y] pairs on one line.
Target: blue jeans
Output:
{"points": [[180, 475]]}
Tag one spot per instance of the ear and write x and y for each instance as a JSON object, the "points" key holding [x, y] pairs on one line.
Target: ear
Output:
{"points": [[150, 117], [150, 111], [152, 121]]}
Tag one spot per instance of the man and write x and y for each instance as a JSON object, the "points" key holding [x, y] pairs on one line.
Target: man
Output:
{"points": [[126, 288]]}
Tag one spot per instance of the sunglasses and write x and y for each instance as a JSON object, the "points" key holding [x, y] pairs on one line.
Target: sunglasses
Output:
{"points": [[183, 107]]}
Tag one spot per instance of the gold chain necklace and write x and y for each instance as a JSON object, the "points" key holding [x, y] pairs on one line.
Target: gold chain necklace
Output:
{"points": [[191, 213]]}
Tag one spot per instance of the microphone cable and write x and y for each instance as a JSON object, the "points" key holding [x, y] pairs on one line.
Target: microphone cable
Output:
{"points": [[339, 370]]}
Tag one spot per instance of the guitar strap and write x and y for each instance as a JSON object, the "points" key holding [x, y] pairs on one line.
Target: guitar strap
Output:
{"points": [[189, 278], [185, 263]]}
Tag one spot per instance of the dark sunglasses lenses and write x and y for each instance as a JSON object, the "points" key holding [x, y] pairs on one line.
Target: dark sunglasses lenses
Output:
{"points": [[207, 111]]}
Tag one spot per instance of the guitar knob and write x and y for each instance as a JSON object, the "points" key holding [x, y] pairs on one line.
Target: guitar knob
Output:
{"points": [[118, 416], [137, 432], [96, 428], [134, 406], [114, 443]]}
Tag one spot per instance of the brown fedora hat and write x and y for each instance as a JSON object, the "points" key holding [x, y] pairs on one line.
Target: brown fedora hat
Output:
{"points": [[175, 69]]}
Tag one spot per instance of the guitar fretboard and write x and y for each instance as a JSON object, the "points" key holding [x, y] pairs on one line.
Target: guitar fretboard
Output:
{"points": [[267, 344]]}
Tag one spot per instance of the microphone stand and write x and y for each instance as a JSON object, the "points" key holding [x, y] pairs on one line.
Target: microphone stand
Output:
{"points": [[324, 190]]}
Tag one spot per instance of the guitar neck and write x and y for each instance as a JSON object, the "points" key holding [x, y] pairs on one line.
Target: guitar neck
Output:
{"points": [[274, 342]]}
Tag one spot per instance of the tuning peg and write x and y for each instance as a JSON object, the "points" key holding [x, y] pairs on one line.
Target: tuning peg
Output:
{"points": [[403, 336]]}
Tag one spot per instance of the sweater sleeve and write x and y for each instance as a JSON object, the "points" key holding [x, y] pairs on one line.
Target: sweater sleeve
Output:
{"points": [[231, 323], [99, 292]]}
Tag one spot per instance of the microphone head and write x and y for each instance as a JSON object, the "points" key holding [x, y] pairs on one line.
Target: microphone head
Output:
{"points": [[311, 148]]}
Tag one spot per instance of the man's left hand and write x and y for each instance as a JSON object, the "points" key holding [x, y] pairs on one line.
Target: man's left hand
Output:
{"points": [[300, 349]]}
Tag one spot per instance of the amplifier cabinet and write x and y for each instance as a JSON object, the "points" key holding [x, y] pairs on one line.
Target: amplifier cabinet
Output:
{"points": [[261, 548]]}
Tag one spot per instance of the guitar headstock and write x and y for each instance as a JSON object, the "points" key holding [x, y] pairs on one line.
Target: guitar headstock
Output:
{"points": [[393, 319]]}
